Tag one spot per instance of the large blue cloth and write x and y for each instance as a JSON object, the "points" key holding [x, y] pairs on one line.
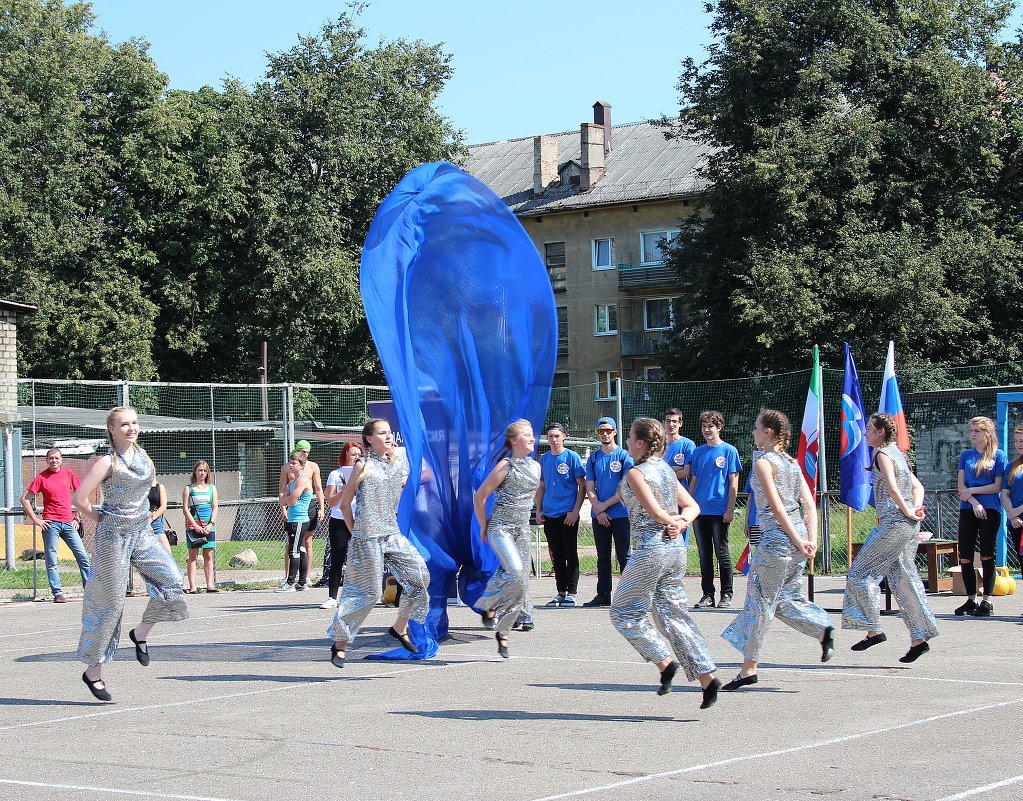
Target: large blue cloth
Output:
{"points": [[462, 314]]}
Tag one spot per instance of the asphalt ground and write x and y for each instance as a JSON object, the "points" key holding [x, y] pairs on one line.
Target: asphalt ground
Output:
{"points": [[241, 702]]}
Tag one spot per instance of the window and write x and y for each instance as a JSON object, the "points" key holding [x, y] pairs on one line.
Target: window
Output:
{"points": [[653, 374], [603, 254], [606, 319], [554, 258], [659, 313], [607, 384], [650, 245], [562, 330], [561, 381]]}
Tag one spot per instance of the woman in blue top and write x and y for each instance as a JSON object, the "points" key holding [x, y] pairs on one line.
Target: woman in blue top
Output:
{"points": [[1012, 493], [981, 472], [295, 500]]}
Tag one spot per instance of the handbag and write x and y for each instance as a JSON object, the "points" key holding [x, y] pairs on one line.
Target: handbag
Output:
{"points": [[197, 540], [171, 535]]}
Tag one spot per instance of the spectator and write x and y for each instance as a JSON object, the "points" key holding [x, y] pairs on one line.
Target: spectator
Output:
{"points": [[317, 507], [678, 454], [199, 503], [981, 473], [1012, 494], [714, 486], [59, 521], [338, 535], [605, 470], [558, 501], [294, 503], [157, 508], [752, 519]]}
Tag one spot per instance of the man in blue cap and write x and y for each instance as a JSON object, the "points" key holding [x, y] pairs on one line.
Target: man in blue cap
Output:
{"points": [[605, 470]]}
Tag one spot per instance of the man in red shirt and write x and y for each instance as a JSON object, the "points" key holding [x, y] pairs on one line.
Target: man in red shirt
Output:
{"points": [[57, 484]]}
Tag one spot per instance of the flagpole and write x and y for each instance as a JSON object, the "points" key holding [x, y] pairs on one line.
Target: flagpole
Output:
{"points": [[822, 475]]}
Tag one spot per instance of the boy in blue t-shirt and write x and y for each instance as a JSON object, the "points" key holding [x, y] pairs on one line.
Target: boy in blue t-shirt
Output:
{"points": [[679, 451], [558, 501], [714, 485], [604, 472]]}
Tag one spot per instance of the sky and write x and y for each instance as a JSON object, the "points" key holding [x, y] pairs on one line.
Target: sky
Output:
{"points": [[520, 68]]}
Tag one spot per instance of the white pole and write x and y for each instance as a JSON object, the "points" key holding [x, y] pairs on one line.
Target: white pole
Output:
{"points": [[822, 477], [618, 407]]}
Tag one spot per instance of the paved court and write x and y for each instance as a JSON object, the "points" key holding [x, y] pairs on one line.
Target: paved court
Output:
{"points": [[241, 702]]}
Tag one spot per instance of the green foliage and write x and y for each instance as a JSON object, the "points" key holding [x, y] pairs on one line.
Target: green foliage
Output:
{"points": [[863, 187], [168, 234]]}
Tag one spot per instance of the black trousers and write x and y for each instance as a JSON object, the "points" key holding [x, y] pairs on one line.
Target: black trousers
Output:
{"points": [[975, 534], [338, 537], [711, 539], [563, 540], [618, 532], [298, 569]]}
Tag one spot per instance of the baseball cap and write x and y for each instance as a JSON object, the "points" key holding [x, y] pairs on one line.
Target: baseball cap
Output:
{"points": [[607, 421], [303, 445]]}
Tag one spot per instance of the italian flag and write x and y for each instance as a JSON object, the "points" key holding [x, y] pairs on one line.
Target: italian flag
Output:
{"points": [[810, 432]]}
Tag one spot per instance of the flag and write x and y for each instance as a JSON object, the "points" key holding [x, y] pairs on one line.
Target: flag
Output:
{"points": [[742, 564], [854, 473], [810, 433], [891, 400]]}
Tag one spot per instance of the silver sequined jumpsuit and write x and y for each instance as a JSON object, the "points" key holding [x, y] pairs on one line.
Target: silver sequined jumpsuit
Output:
{"points": [[889, 552], [775, 587], [124, 539], [508, 533], [377, 541], [652, 581]]}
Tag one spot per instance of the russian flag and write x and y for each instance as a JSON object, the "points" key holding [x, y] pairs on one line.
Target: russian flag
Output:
{"points": [[891, 400], [810, 431], [742, 563]]}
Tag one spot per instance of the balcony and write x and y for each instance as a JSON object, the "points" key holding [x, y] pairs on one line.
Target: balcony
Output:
{"points": [[651, 275], [641, 343]]}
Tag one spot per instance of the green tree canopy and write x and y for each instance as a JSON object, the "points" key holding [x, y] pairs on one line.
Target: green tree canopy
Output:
{"points": [[863, 187]]}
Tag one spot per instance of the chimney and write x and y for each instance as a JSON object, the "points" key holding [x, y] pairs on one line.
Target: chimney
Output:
{"points": [[545, 163], [591, 145], [602, 116]]}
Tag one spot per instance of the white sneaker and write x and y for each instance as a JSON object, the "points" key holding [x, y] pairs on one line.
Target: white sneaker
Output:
{"points": [[284, 583], [330, 603], [285, 587]]}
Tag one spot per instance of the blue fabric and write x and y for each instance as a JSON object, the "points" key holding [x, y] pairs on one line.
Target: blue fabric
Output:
{"points": [[560, 475], [680, 453], [751, 505], [1015, 487], [968, 464], [712, 465], [606, 470], [855, 479], [462, 315]]}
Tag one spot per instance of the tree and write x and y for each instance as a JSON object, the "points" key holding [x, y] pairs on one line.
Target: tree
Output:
{"points": [[860, 189]]}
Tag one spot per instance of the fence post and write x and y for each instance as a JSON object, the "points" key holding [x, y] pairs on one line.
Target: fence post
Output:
{"points": [[289, 420], [9, 492], [125, 395], [618, 406]]}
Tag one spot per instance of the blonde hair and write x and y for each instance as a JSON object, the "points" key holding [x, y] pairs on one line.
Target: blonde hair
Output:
{"points": [[209, 473], [987, 455], [112, 415], [652, 433], [510, 433], [1016, 468]]}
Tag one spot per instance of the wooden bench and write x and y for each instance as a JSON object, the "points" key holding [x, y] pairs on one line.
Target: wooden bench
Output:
{"points": [[935, 550]]}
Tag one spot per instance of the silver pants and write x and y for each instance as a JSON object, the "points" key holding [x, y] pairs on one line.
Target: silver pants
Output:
{"points": [[119, 546], [507, 591], [775, 589], [364, 570], [652, 582], [889, 552]]}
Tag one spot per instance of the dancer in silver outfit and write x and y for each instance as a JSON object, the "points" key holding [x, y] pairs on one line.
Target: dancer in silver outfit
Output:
{"points": [[652, 579], [890, 549], [513, 482], [377, 481], [124, 539], [775, 587]]}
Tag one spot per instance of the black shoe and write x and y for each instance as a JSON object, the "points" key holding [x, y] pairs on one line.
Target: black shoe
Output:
{"points": [[600, 600], [526, 625], [705, 602], [725, 602], [141, 649], [99, 693], [967, 608], [489, 621], [915, 652], [337, 655], [502, 644], [740, 681], [710, 694], [870, 641], [319, 585], [405, 640], [666, 677], [984, 609], [828, 644]]}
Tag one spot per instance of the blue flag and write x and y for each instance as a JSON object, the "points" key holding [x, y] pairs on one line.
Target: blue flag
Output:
{"points": [[854, 465]]}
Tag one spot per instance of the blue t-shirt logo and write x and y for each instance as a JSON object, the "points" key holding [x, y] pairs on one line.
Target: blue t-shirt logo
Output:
{"points": [[680, 459], [563, 469], [719, 462], [616, 467]]}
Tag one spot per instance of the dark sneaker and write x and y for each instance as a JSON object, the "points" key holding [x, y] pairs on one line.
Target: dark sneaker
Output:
{"points": [[725, 602], [984, 609], [598, 601], [60, 598], [523, 623], [967, 608], [556, 600], [705, 602]]}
